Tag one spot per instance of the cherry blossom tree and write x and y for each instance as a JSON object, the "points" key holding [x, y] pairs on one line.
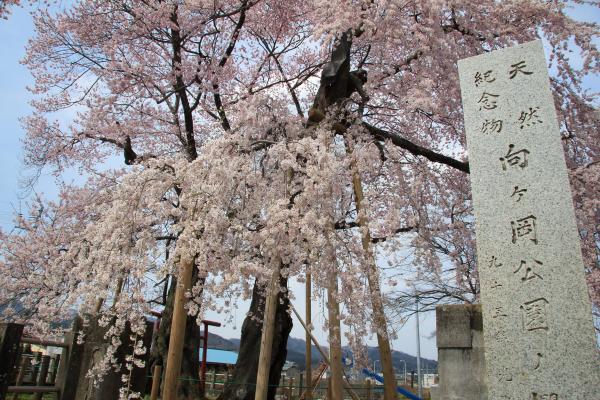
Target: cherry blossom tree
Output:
{"points": [[148, 117], [5, 7], [263, 136]]}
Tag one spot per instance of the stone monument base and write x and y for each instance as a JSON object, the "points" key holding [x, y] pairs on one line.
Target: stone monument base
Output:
{"points": [[461, 363]]}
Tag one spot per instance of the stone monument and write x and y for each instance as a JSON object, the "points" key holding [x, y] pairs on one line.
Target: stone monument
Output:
{"points": [[538, 331], [461, 362]]}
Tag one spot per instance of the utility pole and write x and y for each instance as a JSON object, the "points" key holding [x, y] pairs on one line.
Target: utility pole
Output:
{"points": [[419, 380], [404, 376]]}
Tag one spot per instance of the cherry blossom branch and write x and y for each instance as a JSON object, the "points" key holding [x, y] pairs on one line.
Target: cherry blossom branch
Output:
{"points": [[416, 149], [455, 26], [343, 225], [271, 52], [176, 41], [230, 47]]}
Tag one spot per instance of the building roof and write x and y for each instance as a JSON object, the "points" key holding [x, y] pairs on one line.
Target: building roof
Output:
{"points": [[214, 356]]}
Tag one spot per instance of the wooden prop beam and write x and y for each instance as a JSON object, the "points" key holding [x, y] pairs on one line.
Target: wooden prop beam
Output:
{"points": [[335, 341], [323, 354], [24, 365], [156, 375], [177, 336], [266, 340], [385, 352], [308, 352]]}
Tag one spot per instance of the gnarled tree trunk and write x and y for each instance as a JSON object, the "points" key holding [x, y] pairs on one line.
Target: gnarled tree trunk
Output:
{"points": [[243, 382], [189, 380]]}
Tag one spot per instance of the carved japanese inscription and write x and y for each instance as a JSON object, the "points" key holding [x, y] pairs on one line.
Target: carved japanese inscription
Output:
{"points": [[533, 291]]}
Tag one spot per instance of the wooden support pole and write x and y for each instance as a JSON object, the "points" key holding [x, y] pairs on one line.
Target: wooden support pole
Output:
{"points": [[42, 374], [54, 369], [290, 389], [24, 365], [177, 335], [314, 340], [268, 328], [61, 373], [335, 340], [266, 340], [36, 367], [156, 375], [73, 360], [308, 351], [323, 355], [385, 352], [368, 389]]}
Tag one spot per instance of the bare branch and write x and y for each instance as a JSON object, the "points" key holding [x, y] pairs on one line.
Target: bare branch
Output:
{"points": [[416, 149]]}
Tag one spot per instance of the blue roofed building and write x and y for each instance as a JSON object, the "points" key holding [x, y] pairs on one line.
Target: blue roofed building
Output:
{"points": [[219, 365], [219, 359]]}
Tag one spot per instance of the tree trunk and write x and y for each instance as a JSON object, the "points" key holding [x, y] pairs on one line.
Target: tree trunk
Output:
{"points": [[189, 381], [243, 382]]}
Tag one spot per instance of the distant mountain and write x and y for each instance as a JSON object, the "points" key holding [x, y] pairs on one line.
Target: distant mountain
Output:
{"points": [[297, 347], [235, 341], [297, 350], [398, 357], [217, 342]]}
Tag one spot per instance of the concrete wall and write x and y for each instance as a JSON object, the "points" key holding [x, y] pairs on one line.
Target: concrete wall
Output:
{"points": [[461, 363]]}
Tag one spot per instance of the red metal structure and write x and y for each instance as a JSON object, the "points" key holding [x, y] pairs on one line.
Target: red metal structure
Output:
{"points": [[206, 323], [205, 350]]}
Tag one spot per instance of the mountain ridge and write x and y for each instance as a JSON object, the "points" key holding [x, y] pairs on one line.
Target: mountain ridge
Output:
{"points": [[296, 353]]}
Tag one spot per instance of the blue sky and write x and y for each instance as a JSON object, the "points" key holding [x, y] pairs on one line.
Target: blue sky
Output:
{"points": [[14, 77], [13, 104]]}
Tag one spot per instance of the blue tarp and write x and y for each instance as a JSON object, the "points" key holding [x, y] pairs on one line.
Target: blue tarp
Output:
{"points": [[214, 356]]}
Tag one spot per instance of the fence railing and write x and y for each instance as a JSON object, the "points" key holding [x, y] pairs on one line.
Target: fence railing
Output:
{"points": [[295, 387], [32, 372], [39, 373], [24, 370]]}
